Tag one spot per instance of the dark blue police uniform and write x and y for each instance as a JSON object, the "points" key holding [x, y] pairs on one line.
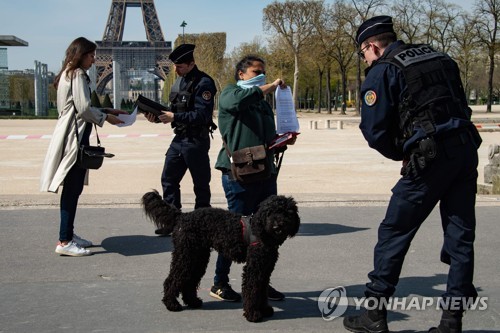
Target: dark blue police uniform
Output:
{"points": [[449, 177], [414, 110], [192, 101]]}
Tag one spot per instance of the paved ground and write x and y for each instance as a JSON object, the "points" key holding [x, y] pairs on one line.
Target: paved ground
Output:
{"points": [[342, 188]]}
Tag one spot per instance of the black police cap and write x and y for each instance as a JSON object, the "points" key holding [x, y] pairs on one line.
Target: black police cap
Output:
{"points": [[374, 26], [182, 54]]}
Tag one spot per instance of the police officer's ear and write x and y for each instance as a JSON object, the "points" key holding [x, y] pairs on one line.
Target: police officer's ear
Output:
{"points": [[377, 50]]}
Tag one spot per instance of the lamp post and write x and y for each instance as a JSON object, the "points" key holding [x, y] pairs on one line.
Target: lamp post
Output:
{"points": [[183, 24]]}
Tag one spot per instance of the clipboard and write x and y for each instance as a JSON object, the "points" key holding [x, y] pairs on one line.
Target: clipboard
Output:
{"points": [[283, 139]]}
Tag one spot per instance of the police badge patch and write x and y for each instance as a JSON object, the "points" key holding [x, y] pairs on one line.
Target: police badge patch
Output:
{"points": [[370, 97], [206, 95]]}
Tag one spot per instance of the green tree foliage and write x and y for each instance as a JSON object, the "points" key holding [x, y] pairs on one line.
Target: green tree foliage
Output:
{"points": [[208, 54]]}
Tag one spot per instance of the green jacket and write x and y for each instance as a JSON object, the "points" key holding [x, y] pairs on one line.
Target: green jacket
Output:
{"points": [[245, 120]]}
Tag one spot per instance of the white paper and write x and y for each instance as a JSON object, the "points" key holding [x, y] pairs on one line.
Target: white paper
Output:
{"points": [[128, 119], [286, 117]]}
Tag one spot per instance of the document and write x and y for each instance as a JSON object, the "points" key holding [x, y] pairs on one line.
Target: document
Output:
{"points": [[128, 119], [287, 124], [286, 117]]}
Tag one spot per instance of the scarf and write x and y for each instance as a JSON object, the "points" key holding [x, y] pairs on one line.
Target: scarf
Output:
{"points": [[258, 80]]}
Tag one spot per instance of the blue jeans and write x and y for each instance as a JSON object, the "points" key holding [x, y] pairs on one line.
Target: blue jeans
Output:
{"points": [[72, 188], [242, 199]]}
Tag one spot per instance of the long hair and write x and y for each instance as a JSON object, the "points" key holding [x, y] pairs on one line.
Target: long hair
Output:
{"points": [[246, 62], [74, 55]]}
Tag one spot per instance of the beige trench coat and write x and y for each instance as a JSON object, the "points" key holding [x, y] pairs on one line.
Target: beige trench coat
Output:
{"points": [[63, 146]]}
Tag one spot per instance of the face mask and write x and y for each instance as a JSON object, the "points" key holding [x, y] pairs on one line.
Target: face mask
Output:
{"points": [[258, 80]]}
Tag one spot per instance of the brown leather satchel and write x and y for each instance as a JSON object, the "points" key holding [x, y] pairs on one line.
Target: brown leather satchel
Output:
{"points": [[249, 164]]}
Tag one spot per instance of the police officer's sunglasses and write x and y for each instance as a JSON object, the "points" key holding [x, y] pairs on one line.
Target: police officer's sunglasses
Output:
{"points": [[361, 53]]}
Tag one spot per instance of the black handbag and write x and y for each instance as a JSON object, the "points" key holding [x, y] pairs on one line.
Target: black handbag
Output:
{"points": [[89, 157]]}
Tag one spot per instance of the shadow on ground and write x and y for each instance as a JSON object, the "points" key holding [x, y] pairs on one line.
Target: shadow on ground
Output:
{"points": [[137, 245]]}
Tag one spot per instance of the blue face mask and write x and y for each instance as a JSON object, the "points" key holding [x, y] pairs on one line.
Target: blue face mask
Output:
{"points": [[258, 80]]}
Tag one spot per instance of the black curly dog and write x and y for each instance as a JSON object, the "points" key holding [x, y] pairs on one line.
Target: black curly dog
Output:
{"points": [[195, 233]]}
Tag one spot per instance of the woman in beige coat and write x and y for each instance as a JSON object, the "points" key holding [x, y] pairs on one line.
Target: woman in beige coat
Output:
{"points": [[73, 100]]}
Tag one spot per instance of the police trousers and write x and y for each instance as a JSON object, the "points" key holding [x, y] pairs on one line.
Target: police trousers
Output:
{"points": [[187, 153], [451, 180]]}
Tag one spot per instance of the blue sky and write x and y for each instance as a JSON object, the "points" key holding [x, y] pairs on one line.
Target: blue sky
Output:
{"points": [[50, 25]]}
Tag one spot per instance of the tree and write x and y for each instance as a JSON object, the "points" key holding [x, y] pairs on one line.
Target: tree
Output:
{"points": [[208, 55], [408, 18], [343, 50], [464, 49], [325, 45], [487, 27], [441, 18], [255, 47], [94, 98], [107, 102], [365, 9], [293, 20], [22, 90]]}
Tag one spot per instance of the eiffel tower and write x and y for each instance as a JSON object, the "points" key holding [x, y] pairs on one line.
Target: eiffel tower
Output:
{"points": [[150, 55]]}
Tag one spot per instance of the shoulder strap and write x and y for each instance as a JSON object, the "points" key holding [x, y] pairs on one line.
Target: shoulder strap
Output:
{"points": [[74, 117], [227, 149]]}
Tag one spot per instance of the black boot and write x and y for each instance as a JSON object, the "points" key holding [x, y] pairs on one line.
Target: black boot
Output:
{"points": [[370, 321], [451, 322]]}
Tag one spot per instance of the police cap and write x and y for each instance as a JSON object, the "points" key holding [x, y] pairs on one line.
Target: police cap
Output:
{"points": [[182, 54], [374, 26]]}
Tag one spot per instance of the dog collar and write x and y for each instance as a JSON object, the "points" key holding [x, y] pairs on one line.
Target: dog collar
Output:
{"points": [[246, 231]]}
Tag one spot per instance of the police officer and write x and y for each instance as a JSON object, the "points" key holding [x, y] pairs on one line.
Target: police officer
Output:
{"points": [[191, 109], [414, 110]]}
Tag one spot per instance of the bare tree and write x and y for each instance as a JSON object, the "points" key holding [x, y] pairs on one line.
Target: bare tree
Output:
{"points": [[343, 50], [408, 18], [324, 49], [465, 47], [487, 26], [440, 18], [316, 60], [364, 9], [293, 21]]}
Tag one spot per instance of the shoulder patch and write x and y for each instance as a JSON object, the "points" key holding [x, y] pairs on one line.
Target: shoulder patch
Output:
{"points": [[206, 95], [370, 98]]}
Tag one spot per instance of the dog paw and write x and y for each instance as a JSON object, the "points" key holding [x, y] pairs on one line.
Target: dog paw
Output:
{"points": [[173, 306], [253, 316], [195, 303], [267, 311]]}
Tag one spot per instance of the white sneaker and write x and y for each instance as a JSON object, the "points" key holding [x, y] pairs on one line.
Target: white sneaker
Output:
{"points": [[82, 242], [72, 249]]}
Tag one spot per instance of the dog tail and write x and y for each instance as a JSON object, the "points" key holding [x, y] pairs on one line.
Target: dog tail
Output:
{"points": [[163, 215]]}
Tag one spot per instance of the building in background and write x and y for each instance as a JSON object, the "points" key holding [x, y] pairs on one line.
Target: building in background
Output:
{"points": [[6, 40]]}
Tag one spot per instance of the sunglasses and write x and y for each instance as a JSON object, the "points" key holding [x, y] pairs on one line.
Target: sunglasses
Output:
{"points": [[361, 53]]}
